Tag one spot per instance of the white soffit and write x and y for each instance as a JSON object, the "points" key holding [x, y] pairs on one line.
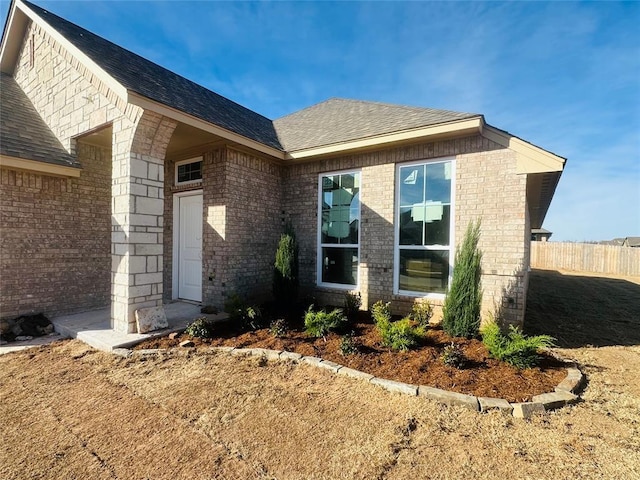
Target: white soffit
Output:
{"points": [[530, 159]]}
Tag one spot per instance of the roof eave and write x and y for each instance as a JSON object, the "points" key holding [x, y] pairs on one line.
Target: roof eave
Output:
{"points": [[180, 116], [542, 168], [39, 166], [14, 28], [468, 126], [530, 158]]}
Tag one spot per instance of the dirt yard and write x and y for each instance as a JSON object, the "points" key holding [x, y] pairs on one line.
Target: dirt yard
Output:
{"points": [[67, 411]]}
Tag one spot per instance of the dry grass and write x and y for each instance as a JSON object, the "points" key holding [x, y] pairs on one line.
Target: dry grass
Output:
{"points": [[67, 411]]}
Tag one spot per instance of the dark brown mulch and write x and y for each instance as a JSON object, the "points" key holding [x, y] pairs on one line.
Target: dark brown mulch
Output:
{"points": [[481, 375]]}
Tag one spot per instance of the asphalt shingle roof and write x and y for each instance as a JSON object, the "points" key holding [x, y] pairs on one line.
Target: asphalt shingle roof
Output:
{"points": [[157, 83], [340, 120], [23, 133], [333, 121]]}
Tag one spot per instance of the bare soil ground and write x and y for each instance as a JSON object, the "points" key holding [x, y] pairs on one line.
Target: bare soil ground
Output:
{"points": [[68, 411]]}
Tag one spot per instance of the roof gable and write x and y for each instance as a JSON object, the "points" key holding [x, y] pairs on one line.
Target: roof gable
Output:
{"points": [[339, 120], [24, 134], [152, 81]]}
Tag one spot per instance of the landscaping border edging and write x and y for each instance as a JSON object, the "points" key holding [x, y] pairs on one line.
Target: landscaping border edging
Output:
{"points": [[565, 393]]}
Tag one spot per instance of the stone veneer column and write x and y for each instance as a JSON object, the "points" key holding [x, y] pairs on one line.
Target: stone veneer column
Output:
{"points": [[137, 215]]}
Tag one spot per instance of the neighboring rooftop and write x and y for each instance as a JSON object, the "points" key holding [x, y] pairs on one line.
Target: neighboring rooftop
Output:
{"points": [[152, 81], [340, 120], [23, 133]]}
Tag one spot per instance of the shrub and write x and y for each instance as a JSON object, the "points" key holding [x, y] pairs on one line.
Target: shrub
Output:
{"points": [[234, 305], [285, 275], [279, 327], [320, 323], [251, 318], [515, 348], [421, 313], [352, 303], [381, 312], [452, 355], [200, 328], [461, 310], [348, 345], [247, 316], [402, 335]]}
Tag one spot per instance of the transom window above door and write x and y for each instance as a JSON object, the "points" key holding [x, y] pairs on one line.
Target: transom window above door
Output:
{"points": [[189, 171]]}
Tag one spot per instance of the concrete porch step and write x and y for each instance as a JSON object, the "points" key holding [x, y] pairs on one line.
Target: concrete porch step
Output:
{"points": [[94, 328]]}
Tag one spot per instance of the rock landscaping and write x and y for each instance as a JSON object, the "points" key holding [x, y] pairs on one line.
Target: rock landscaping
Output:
{"points": [[24, 328]]}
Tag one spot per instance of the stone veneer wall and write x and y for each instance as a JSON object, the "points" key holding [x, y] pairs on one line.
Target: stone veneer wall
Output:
{"points": [[487, 187], [74, 101], [55, 248], [58, 86]]}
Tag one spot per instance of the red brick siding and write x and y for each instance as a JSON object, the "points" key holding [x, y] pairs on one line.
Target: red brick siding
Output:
{"points": [[55, 244]]}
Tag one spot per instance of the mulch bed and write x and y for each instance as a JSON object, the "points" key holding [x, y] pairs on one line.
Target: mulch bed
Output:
{"points": [[481, 375]]}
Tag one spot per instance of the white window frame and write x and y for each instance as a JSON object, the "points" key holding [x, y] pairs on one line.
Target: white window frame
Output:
{"points": [[321, 245], [452, 225], [185, 162]]}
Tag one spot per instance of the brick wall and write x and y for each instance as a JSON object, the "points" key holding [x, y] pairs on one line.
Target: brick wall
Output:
{"points": [[487, 187], [55, 243], [253, 224], [242, 224]]}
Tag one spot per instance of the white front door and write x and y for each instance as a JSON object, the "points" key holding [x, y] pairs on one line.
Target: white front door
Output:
{"points": [[189, 248]]}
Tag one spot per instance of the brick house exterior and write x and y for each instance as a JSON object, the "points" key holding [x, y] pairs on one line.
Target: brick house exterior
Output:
{"points": [[94, 213]]}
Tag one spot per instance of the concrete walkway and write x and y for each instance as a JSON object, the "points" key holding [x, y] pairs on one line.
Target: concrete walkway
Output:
{"points": [[94, 328]]}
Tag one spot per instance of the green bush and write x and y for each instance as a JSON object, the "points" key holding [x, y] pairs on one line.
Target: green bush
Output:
{"points": [[285, 275], [200, 328], [349, 345], [402, 335], [452, 355], [515, 348], [381, 312], [461, 310], [421, 313], [279, 327], [320, 323], [247, 316], [352, 303]]}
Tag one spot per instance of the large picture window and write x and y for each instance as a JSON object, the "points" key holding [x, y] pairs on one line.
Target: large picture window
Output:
{"points": [[424, 226], [339, 229]]}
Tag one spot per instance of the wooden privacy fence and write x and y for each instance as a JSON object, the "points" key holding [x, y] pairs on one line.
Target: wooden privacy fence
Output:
{"points": [[586, 257]]}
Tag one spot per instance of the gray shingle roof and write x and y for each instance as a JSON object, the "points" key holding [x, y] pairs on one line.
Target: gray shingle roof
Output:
{"points": [[339, 120], [157, 83], [23, 133], [332, 121]]}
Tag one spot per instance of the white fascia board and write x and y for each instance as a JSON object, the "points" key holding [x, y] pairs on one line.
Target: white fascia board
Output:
{"points": [[103, 76], [178, 115], [531, 159], [473, 125], [39, 167], [11, 39]]}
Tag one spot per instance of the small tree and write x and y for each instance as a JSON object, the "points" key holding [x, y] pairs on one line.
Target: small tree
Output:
{"points": [[461, 310], [285, 276]]}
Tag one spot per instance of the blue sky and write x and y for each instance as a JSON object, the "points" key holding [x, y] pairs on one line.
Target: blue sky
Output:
{"points": [[564, 76]]}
